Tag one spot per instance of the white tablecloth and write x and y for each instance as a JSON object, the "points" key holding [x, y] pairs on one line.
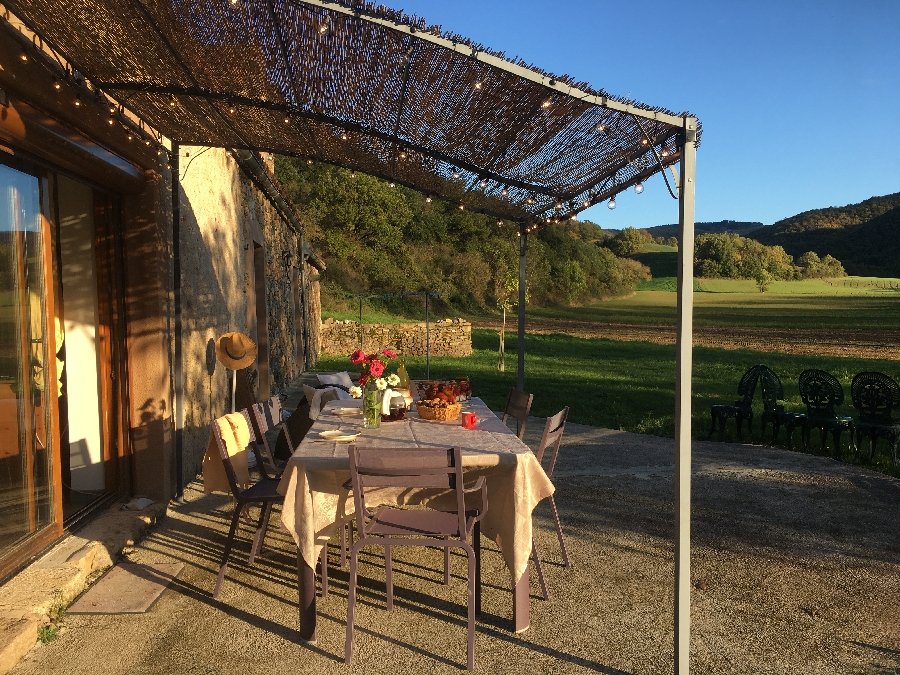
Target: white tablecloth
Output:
{"points": [[316, 502]]}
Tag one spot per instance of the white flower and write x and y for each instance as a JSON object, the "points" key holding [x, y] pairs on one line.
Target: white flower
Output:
{"points": [[381, 383], [393, 379], [356, 392]]}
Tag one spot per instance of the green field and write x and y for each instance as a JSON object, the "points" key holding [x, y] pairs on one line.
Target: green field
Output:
{"points": [[625, 385], [728, 302]]}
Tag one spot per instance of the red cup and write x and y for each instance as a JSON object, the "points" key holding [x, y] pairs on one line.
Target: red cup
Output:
{"points": [[469, 419]]}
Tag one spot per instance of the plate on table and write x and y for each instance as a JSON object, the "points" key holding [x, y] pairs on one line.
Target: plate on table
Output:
{"points": [[346, 412], [336, 435]]}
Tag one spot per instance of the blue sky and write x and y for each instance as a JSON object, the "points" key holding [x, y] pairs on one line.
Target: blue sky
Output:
{"points": [[799, 101]]}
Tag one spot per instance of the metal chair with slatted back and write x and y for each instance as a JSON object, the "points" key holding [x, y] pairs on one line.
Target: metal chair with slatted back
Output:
{"points": [[551, 438], [518, 405], [264, 492], [414, 468], [268, 415]]}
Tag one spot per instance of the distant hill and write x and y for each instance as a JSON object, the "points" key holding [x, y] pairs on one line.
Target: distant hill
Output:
{"points": [[733, 226], [865, 237]]}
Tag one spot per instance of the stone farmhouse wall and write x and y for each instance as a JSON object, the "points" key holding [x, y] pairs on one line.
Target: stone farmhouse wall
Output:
{"points": [[449, 337]]}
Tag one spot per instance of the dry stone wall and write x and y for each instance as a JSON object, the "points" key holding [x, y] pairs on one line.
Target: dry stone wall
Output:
{"points": [[449, 337]]}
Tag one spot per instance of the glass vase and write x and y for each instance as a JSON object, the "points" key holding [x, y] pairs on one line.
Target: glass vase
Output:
{"points": [[371, 405]]}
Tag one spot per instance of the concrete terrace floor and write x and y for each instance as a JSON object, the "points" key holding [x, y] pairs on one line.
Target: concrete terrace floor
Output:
{"points": [[799, 557]]}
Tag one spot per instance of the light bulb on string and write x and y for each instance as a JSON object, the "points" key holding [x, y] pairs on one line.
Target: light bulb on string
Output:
{"points": [[455, 173], [287, 120], [478, 85], [56, 84], [77, 101], [483, 183], [344, 136], [427, 200], [638, 188], [504, 192], [585, 203], [546, 104], [231, 109], [462, 207], [24, 57], [111, 120], [393, 185], [612, 203], [402, 154], [664, 153], [352, 174]]}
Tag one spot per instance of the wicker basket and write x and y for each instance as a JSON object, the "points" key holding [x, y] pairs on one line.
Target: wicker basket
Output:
{"points": [[448, 414]]}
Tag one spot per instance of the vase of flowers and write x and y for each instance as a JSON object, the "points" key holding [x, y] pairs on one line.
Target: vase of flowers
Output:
{"points": [[373, 382]]}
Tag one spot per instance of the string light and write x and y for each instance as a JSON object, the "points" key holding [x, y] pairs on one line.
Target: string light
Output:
{"points": [[77, 101], [56, 84], [147, 142], [483, 183], [530, 200], [309, 161], [231, 107], [393, 185], [462, 207], [427, 200], [546, 104], [455, 173], [130, 137], [352, 174], [585, 203], [558, 206], [664, 153], [111, 120], [478, 85], [499, 223], [612, 203], [24, 57], [601, 128], [504, 192], [644, 141], [287, 120], [639, 188], [344, 136], [402, 154], [172, 103]]}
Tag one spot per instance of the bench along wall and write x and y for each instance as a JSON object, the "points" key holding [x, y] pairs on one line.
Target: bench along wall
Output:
{"points": [[450, 337]]}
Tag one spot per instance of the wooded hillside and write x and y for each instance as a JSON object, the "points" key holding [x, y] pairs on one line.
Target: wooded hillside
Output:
{"points": [[378, 239], [865, 237]]}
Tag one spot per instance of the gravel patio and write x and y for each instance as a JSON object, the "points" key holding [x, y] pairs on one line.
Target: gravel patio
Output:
{"points": [[796, 566]]}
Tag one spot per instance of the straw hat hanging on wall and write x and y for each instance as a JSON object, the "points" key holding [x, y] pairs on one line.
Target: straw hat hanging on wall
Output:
{"points": [[235, 351]]}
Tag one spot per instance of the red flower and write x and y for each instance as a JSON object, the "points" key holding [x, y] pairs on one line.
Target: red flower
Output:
{"points": [[388, 353], [363, 379], [371, 357], [376, 369], [357, 357]]}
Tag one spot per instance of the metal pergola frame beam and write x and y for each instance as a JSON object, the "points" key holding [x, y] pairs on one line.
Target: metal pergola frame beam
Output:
{"points": [[547, 81]]}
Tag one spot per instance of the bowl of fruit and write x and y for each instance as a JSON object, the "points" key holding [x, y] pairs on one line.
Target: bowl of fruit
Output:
{"points": [[439, 402]]}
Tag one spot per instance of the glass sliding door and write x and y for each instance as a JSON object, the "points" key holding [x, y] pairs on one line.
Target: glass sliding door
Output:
{"points": [[26, 500]]}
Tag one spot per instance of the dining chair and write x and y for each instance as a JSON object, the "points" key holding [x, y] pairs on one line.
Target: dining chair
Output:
{"points": [[518, 405], [551, 438], [264, 493], [821, 392], [414, 468], [269, 415]]}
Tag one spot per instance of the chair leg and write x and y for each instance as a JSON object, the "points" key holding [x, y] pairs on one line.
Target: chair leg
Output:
{"points": [[540, 569], [476, 546], [559, 533], [472, 606], [351, 606], [388, 577], [446, 563], [344, 529], [712, 425], [323, 565], [234, 523], [264, 513]]}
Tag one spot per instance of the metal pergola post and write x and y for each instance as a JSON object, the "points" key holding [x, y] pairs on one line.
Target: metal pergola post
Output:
{"points": [[683, 366], [523, 240]]}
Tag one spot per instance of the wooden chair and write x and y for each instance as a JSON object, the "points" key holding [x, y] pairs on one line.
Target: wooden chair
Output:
{"points": [[551, 438], [875, 396], [414, 468], [821, 393], [518, 405], [269, 415]]}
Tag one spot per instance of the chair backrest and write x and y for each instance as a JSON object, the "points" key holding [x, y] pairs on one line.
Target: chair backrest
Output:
{"points": [[518, 405], [821, 392], [553, 431], [772, 389], [875, 395], [268, 415], [410, 468], [216, 432], [747, 386]]}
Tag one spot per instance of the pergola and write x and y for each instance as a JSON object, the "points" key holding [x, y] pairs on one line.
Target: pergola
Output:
{"points": [[375, 90]]}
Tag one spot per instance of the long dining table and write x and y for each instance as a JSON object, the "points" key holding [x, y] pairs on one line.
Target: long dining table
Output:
{"points": [[317, 500]]}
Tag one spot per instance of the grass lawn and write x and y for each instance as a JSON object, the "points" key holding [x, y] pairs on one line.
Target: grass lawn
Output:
{"points": [[626, 385]]}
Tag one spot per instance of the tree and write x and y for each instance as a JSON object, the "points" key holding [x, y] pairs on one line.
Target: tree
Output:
{"points": [[627, 242]]}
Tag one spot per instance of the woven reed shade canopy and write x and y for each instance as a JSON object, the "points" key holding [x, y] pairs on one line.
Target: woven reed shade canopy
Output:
{"points": [[367, 88]]}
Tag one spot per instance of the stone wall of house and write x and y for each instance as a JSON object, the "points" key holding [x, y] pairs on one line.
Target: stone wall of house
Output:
{"points": [[226, 222], [449, 337]]}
